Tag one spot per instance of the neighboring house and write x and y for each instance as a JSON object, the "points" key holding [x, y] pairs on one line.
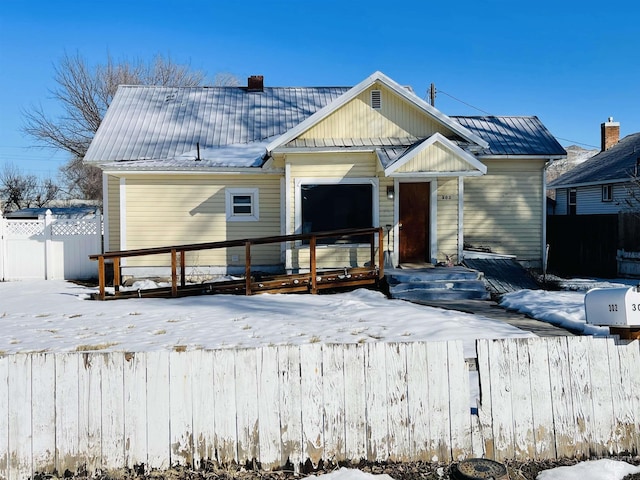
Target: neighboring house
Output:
{"points": [[203, 164], [77, 212], [604, 183]]}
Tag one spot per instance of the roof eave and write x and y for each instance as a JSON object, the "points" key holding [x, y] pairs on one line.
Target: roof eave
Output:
{"points": [[589, 184]]}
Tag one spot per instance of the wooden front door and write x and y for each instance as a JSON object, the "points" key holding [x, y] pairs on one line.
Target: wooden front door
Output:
{"points": [[414, 222]]}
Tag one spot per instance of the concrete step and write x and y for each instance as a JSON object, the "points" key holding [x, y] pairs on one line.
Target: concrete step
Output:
{"points": [[438, 283], [434, 295], [395, 276]]}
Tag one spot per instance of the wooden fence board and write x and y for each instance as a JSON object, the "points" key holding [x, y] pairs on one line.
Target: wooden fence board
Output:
{"points": [[376, 406], [355, 402], [521, 393], [485, 408], [203, 408], [43, 411], [502, 355], [438, 375], [564, 420], [397, 408], [67, 414], [180, 409], [4, 417], [629, 361], [269, 408], [602, 440], [112, 401], [459, 402], [541, 402], [333, 387], [581, 394], [312, 405], [418, 395], [247, 405], [135, 409], [224, 399], [20, 417], [90, 410], [290, 404], [158, 420]]}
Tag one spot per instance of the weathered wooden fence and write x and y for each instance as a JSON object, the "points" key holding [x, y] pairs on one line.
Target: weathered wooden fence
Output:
{"points": [[49, 248], [541, 398]]}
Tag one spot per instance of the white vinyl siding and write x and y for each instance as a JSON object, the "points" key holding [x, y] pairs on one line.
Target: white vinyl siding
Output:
{"points": [[503, 209]]}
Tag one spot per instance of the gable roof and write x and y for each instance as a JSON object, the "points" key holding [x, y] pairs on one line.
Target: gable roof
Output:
{"points": [[392, 165], [167, 128], [617, 164], [377, 77], [513, 135]]}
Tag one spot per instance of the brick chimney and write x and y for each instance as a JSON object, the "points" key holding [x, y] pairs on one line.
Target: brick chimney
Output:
{"points": [[255, 83], [610, 134]]}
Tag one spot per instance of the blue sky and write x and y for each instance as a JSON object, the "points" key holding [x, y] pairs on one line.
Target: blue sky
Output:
{"points": [[572, 64]]}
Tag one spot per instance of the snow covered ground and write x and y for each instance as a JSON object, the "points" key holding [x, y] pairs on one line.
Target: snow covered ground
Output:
{"points": [[594, 470], [57, 316]]}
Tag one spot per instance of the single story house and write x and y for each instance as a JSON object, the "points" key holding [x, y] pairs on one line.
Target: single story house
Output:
{"points": [[606, 183], [186, 165]]}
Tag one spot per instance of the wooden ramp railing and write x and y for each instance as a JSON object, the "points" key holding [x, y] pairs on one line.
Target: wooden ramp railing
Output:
{"points": [[312, 281]]}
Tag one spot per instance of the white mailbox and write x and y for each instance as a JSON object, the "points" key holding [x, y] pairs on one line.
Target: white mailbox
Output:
{"points": [[613, 306]]}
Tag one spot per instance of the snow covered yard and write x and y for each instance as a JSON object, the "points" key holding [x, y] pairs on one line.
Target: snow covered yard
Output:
{"points": [[56, 316]]}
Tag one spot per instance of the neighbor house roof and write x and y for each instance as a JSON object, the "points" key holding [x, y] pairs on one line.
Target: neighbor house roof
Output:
{"points": [[173, 128], [617, 164], [522, 135]]}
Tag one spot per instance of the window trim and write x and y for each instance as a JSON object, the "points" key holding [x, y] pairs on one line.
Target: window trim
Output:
{"points": [[298, 182], [575, 201], [607, 193], [253, 193]]}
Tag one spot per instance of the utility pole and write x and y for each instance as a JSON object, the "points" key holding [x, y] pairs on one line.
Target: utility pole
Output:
{"points": [[432, 95]]}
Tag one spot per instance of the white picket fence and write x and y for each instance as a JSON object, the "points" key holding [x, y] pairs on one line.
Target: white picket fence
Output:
{"points": [[541, 398], [49, 248]]}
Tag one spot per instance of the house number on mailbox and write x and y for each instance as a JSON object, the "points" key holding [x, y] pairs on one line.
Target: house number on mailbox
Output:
{"points": [[613, 307]]}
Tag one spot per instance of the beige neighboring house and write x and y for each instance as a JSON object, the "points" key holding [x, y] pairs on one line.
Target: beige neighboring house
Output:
{"points": [[204, 164]]}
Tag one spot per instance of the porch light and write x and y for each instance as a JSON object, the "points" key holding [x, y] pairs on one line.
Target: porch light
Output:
{"points": [[390, 192]]}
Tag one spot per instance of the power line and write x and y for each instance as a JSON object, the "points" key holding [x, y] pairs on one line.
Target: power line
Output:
{"points": [[487, 113], [463, 102]]}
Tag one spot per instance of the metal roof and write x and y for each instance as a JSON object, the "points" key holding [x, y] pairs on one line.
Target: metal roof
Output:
{"points": [[151, 127], [148, 122], [618, 163], [513, 135]]}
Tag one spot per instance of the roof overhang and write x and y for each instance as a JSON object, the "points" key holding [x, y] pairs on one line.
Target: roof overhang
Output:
{"points": [[357, 90], [591, 184]]}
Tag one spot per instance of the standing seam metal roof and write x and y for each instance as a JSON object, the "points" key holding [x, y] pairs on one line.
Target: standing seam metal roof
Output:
{"points": [[145, 122], [513, 135], [163, 123]]}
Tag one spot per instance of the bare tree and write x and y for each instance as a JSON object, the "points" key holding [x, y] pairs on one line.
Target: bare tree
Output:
{"points": [[19, 191], [85, 92]]}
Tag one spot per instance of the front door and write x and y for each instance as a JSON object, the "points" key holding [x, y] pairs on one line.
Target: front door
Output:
{"points": [[414, 222]]}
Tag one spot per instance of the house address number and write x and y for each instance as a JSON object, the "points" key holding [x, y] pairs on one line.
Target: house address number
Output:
{"points": [[446, 197], [635, 307]]}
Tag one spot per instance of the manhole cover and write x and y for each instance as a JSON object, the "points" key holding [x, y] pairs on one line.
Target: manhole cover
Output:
{"points": [[479, 468]]}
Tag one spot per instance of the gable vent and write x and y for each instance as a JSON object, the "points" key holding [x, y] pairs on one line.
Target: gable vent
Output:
{"points": [[376, 99]]}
